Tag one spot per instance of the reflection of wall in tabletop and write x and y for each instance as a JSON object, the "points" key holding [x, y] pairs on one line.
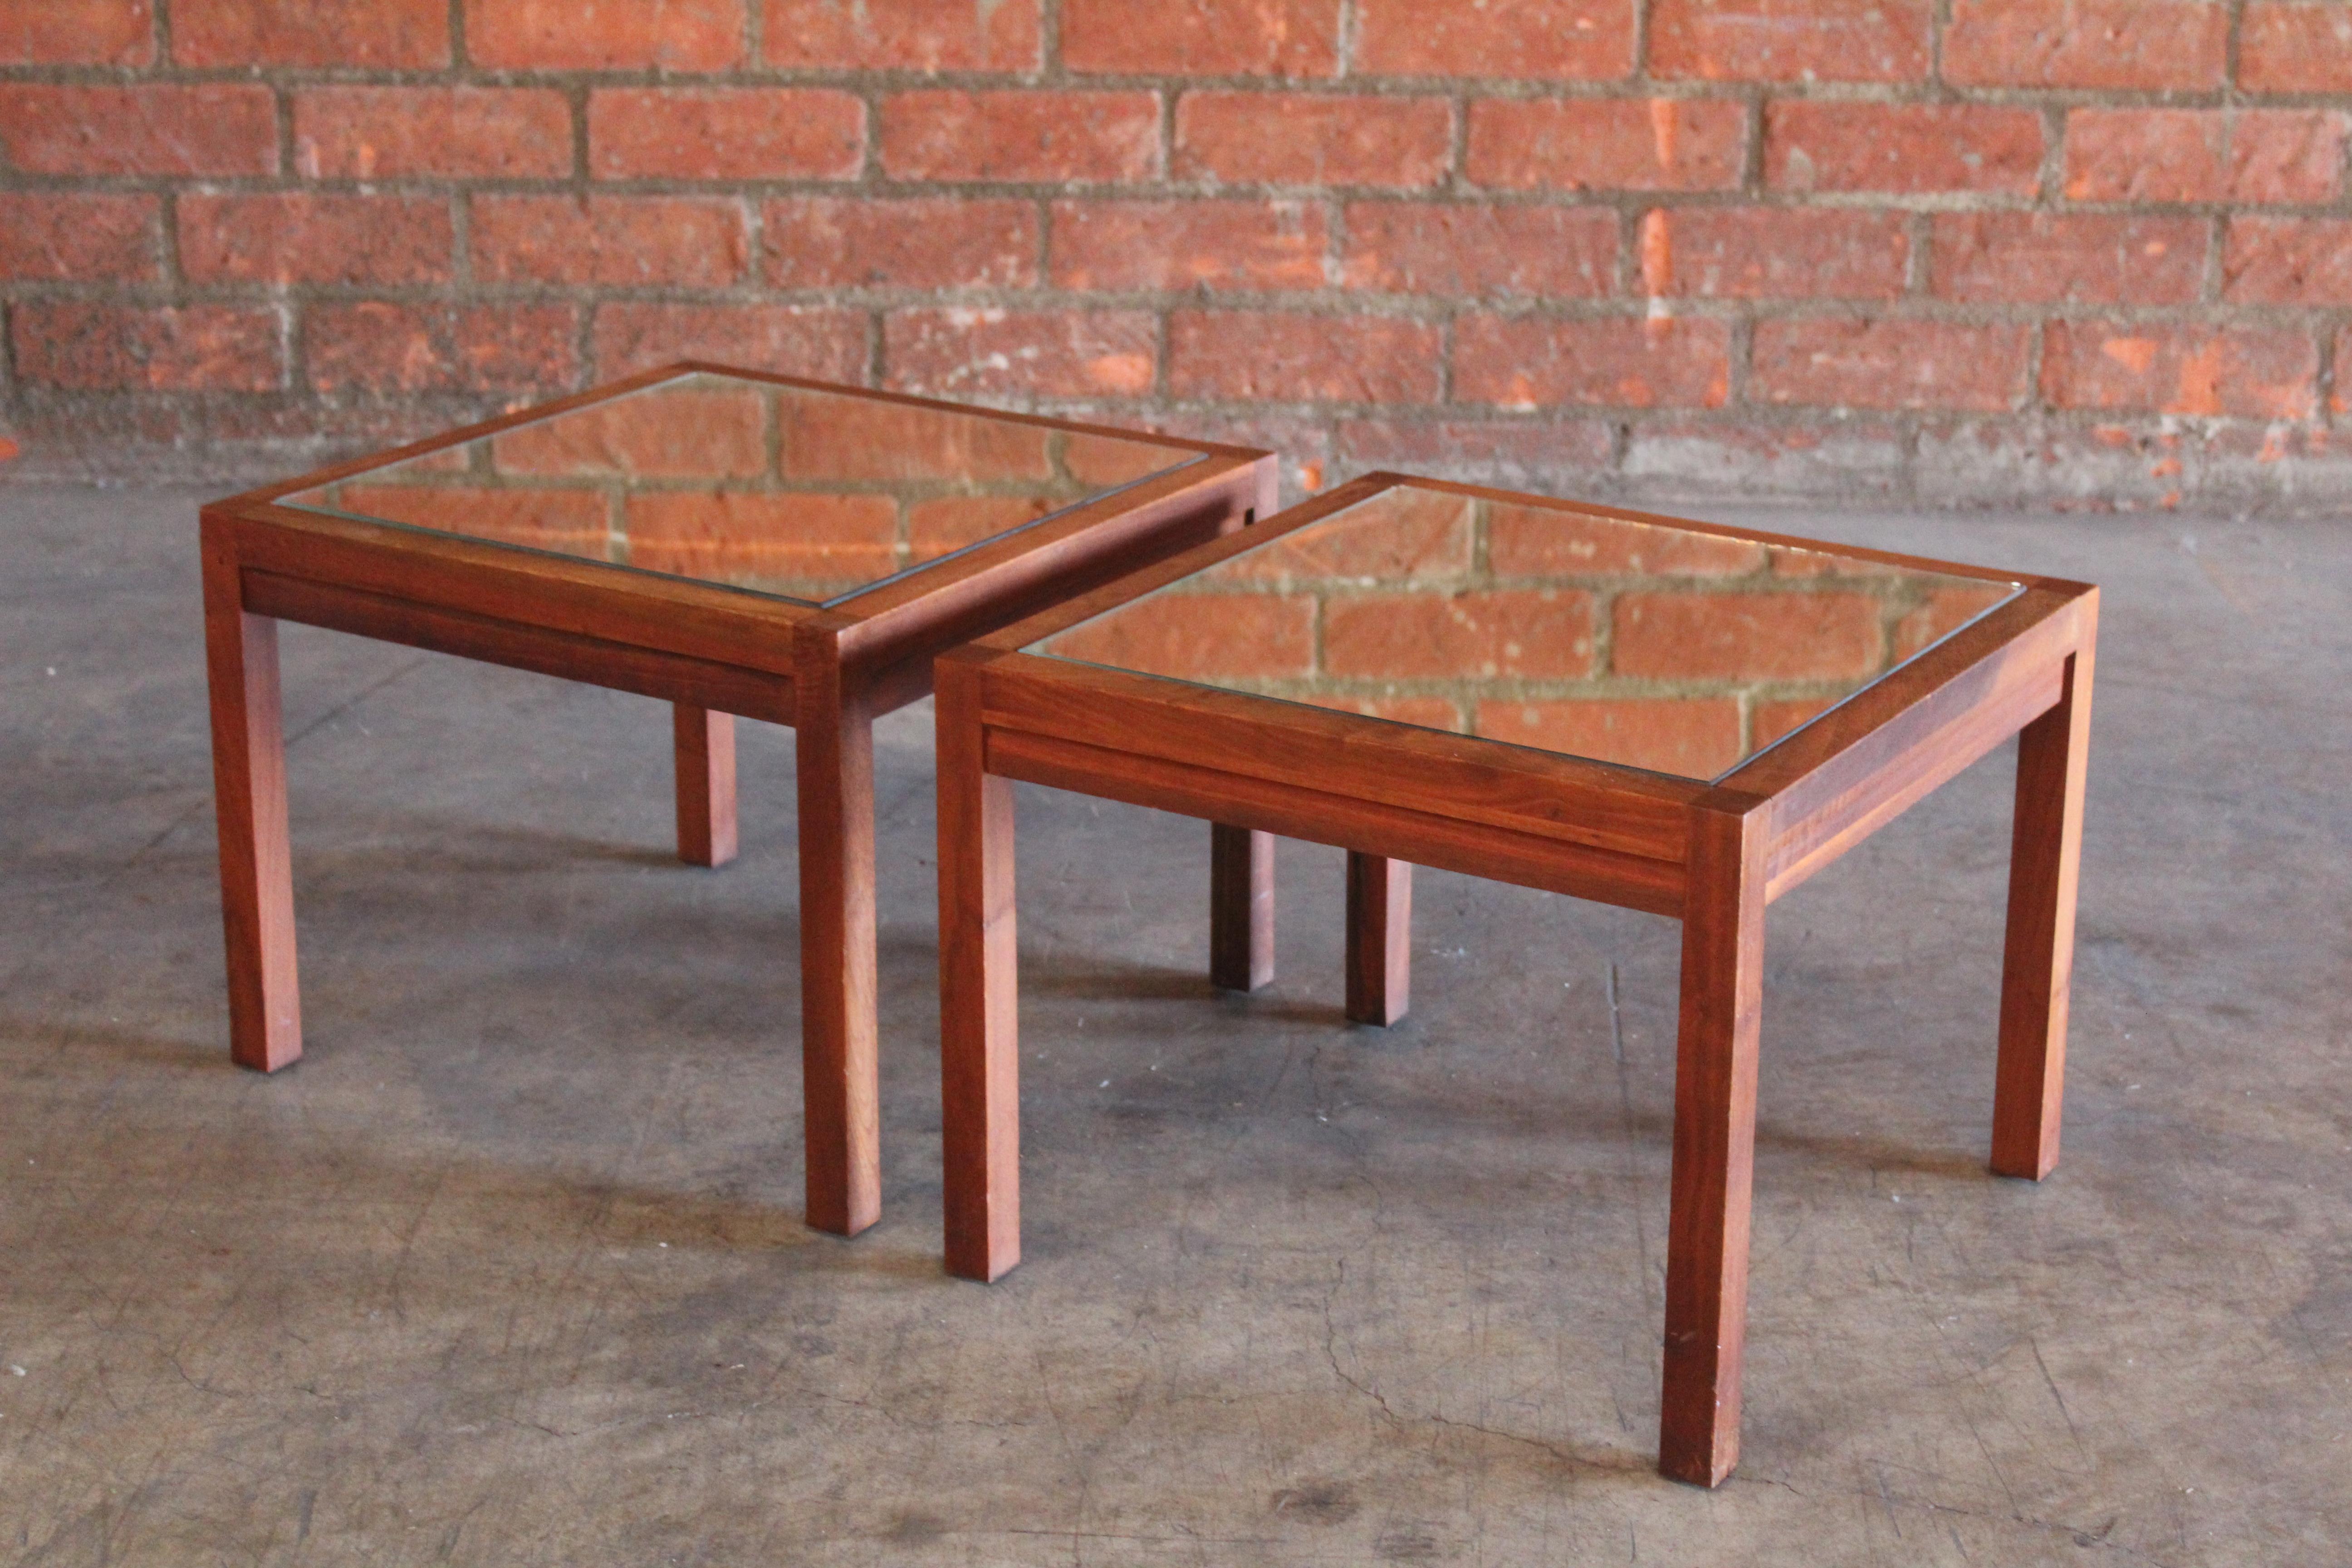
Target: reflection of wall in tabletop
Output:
{"points": [[794, 492], [1572, 632]]}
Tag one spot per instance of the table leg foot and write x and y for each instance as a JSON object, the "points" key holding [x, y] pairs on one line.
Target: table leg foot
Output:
{"points": [[1380, 939], [1241, 907], [704, 754], [265, 1007], [835, 752], [980, 1054], [2037, 963], [1715, 1146]]}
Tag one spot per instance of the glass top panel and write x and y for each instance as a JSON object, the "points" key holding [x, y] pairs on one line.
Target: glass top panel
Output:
{"points": [[1653, 646], [804, 494]]}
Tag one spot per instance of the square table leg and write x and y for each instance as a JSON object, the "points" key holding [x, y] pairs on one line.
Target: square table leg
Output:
{"points": [[2038, 965], [980, 1055], [1715, 1146], [1380, 939], [705, 753], [1241, 907], [265, 1004], [840, 1089]]}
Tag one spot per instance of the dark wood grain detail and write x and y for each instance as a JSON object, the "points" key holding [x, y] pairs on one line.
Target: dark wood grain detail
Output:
{"points": [[703, 747], [1349, 822], [979, 1059], [1861, 734], [1241, 907], [557, 594], [674, 678], [265, 1004], [1380, 939], [1019, 573], [2038, 960], [833, 763], [1715, 1145], [1523, 791]]}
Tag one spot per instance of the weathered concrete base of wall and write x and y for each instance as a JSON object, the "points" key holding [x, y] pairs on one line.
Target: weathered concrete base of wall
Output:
{"points": [[2037, 463]]}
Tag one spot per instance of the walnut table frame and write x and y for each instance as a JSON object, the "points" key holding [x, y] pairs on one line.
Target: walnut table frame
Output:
{"points": [[1712, 854], [711, 650]]}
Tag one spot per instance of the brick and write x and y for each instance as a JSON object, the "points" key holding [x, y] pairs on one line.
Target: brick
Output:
{"points": [[948, 523], [1888, 364], [1543, 41], [832, 439], [1521, 452], [84, 345], [2303, 45], [77, 237], [852, 242], [2204, 155], [2166, 368], [1772, 40], [1007, 135], [563, 518], [1743, 638], [1906, 149], [1403, 535], [1545, 542], [1192, 637], [1537, 634], [1695, 737], [1250, 138], [1209, 245], [1275, 357], [2340, 403], [1461, 250], [214, 128], [386, 347], [380, 34], [2150, 44], [1775, 253], [1943, 612], [2288, 261], [616, 35], [1608, 144], [725, 134], [902, 34], [1533, 362], [306, 236], [2007, 258], [1741, 457], [76, 32], [666, 433], [1422, 713], [1778, 718], [1053, 354], [815, 541], [823, 344], [2285, 155], [1102, 461], [1203, 37], [458, 132], [689, 241]]}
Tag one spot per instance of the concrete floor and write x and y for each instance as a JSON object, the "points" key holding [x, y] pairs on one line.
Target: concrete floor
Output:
{"points": [[509, 1270]]}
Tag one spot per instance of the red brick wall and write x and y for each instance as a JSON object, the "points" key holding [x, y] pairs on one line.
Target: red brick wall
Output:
{"points": [[2076, 252]]}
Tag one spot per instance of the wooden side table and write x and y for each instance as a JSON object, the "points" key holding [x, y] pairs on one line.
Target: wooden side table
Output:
{"points": [[1660, 714], [732, 542]]}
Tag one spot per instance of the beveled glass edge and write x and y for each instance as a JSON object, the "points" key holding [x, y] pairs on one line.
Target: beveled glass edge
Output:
{"points": [[898, 576]]}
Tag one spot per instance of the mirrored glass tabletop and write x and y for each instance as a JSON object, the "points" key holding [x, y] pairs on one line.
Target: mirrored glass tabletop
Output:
{"points": [[1654, 646], [813, 495]]}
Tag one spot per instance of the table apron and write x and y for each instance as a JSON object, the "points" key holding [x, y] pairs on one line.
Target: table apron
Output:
{"points": [[1803, 845], [1367, 827], [571, 656]]}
